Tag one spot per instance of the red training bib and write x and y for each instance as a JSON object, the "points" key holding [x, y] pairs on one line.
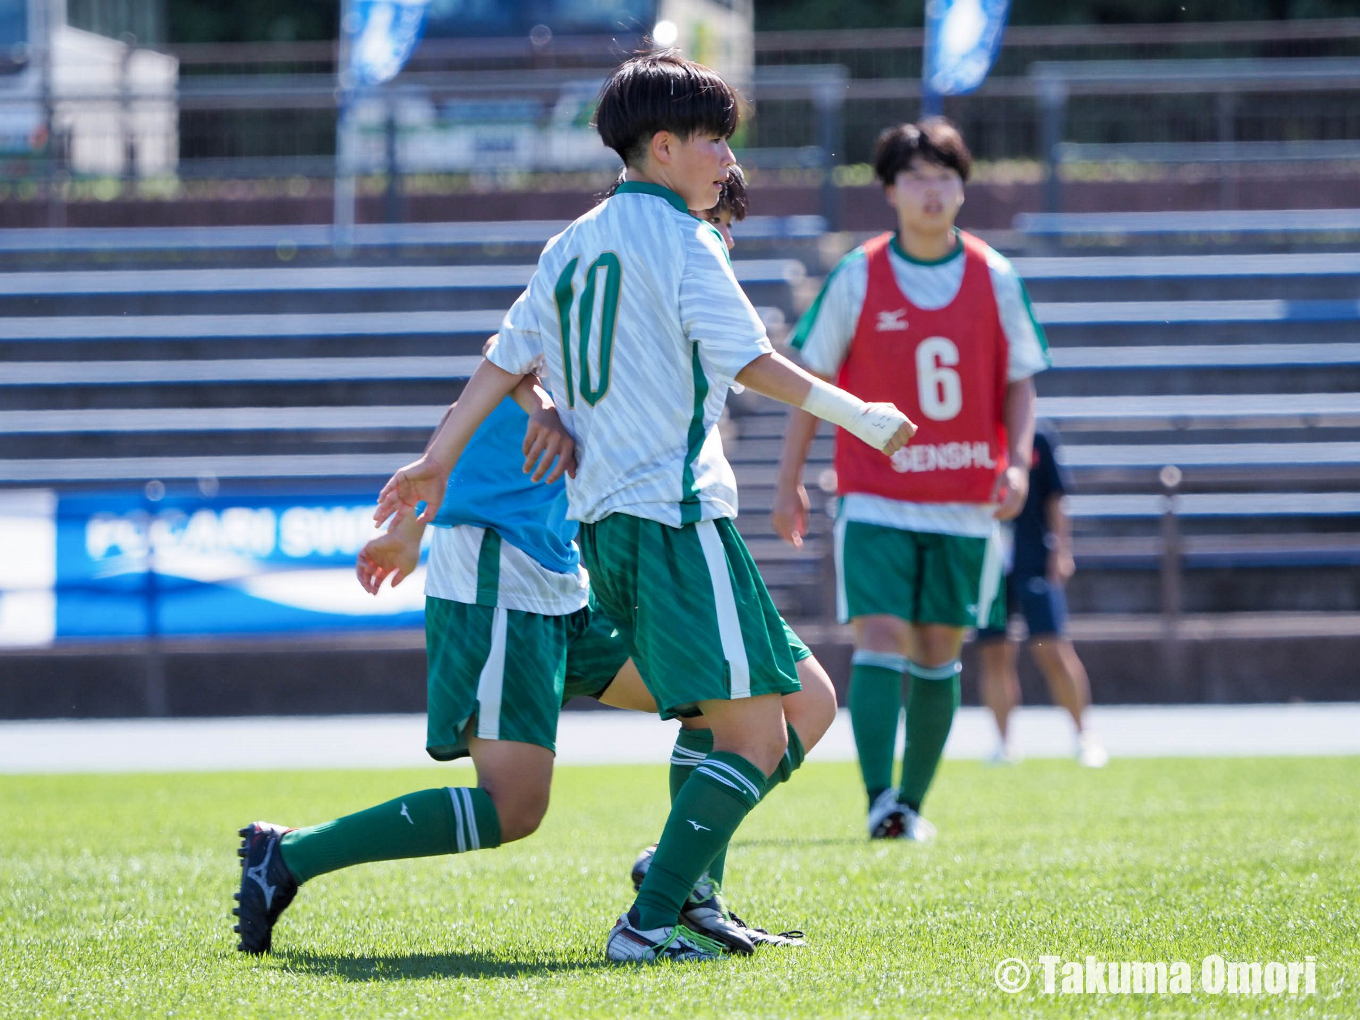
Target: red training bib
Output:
{"points": [[945, 369]]}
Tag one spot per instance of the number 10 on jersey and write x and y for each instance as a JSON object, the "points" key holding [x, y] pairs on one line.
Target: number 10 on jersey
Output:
{"points": [[587, 328]]}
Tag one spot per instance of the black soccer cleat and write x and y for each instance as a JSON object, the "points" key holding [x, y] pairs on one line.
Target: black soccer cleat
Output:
{"points": [[267, 886], [760, 937], [706, 913]]}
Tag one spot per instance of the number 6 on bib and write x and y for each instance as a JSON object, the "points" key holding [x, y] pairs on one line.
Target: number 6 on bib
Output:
{"points": [[940, 389]]}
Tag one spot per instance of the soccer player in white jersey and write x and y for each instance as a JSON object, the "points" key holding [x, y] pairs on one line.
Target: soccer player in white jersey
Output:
{"points": [[934, 320], [642, 328]]}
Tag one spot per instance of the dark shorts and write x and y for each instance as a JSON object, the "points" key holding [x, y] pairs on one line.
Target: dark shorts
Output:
{"points": [[1043, 605]]}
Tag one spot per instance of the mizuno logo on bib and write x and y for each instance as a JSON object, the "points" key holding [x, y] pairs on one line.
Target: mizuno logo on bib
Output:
{"points": [[891, 322]]}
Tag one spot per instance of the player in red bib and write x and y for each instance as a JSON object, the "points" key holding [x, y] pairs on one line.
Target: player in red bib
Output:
{"points": [[934, 320]]}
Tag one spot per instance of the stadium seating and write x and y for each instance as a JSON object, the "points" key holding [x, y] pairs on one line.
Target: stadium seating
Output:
{"points": [[1252, 231], [256, 355], [1240, 369], [410, 243]]}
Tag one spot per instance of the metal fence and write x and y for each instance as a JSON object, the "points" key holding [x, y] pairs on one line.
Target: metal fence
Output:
{"points": [[270, 111]]}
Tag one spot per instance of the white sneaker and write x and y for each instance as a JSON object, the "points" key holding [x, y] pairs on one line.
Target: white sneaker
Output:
{"points": [[1091, 753], [891, 819], [1003, 755], [629, 944], [918, 829], [886, 817]]}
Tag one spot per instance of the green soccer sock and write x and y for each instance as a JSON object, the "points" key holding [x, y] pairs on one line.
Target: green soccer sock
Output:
{"points": [[875, 704], [444, 821], [931, 703], [788, 765], [691, 748], [705, 813]]}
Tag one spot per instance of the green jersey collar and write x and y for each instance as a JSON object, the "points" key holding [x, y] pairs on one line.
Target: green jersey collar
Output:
{"points": [[900, 252], [643, 188]]}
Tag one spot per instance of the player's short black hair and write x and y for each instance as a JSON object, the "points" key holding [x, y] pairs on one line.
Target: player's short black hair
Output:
{"points": [[733, 197], [934, 139], [662, 91]]}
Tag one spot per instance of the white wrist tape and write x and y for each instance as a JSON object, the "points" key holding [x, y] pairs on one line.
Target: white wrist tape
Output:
{"points": [[875, 424]]}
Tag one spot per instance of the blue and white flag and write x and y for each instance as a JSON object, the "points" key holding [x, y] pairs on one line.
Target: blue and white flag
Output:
{"points": [[963, 38], [382, 34]]}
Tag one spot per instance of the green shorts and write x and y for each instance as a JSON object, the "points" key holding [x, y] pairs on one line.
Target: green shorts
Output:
{"points": [[919, 576], [605, 648], [502, 674], [692, 609], [594, 658], [797, 647]]}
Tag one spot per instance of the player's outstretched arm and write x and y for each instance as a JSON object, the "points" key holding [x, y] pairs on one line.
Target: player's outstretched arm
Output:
{"points": [[424, 480], [394, 554], [790, 512], [882, 426], [1061, 565]]}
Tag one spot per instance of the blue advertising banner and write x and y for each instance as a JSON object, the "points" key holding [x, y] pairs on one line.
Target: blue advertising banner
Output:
{"points": [[382, 34], [963, 38], [122, 567]]}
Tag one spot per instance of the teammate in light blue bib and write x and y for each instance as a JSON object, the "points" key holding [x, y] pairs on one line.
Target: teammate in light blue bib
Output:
{"points": [[531, 516]]}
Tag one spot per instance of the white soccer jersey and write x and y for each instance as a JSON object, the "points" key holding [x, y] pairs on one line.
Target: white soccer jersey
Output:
{"points": [[642, 327], [823, 337]]}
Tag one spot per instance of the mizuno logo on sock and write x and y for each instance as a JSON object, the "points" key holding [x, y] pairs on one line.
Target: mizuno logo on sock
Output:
{"points": [[256, 875], [406, 814], [697, 826]]}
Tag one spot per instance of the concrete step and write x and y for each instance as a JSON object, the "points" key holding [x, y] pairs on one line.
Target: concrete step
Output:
{"points": [[1190, 277], [287, 245], [369, 289]]}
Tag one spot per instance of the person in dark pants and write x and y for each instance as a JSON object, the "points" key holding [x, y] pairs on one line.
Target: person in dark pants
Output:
{"points": [[1042, 563]]}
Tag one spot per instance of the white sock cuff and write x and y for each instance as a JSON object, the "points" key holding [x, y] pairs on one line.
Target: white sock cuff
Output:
{"points": [[946, 672], [883, 660]]}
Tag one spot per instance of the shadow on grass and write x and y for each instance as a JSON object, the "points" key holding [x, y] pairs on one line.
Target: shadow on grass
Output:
{"points": [[801, 842], [421, 966]]}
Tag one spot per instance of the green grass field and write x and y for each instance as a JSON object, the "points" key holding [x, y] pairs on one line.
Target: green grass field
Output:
{"points": [[116, 892]]}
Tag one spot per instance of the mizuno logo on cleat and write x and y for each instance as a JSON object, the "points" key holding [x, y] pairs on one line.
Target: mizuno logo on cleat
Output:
{"points": [[257, 873], [406, 814], [697, 826]]}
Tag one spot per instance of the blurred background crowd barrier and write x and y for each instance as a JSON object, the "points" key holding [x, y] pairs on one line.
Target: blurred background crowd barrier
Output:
{"points": [[210, 357], [85, 115]]}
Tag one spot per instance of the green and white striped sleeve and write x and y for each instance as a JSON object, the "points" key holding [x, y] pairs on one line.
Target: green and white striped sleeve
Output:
{"points": [[715, 312]]}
